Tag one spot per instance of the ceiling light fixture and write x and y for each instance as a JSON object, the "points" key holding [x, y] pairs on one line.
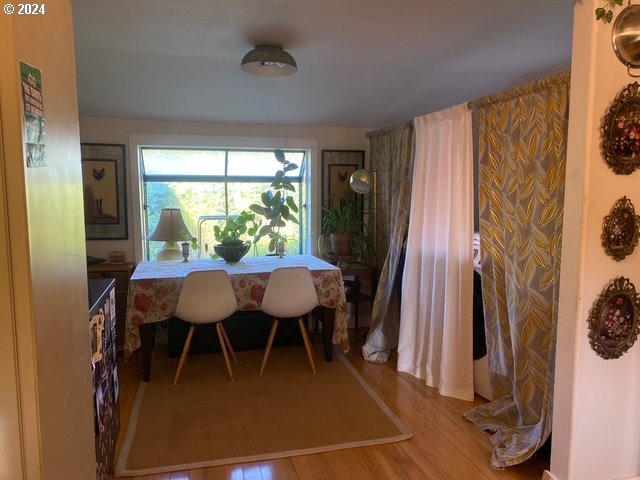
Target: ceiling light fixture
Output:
{"points": [[269, 61]]}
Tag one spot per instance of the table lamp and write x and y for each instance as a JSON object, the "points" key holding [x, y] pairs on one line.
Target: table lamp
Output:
{"points": [[171, 229]]}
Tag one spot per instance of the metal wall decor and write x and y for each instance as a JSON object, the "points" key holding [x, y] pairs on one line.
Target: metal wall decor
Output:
{"points": [[621, 131], [613, 319], [620, 230], [624, 36]]}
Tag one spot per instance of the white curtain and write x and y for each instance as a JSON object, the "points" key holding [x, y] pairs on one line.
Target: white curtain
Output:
{"points": [[436, 334]]}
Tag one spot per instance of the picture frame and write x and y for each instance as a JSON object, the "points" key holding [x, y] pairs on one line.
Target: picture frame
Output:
{"points": [[337, 167], [613, 319], [621, 131], [104, 191], [620, 230]]}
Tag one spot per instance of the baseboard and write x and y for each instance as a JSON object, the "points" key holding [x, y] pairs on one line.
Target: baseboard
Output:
{"points": [[547, 475]]}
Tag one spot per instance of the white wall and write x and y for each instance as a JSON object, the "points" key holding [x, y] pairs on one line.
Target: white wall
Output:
{"points": [[102, 130], [596, 417]]}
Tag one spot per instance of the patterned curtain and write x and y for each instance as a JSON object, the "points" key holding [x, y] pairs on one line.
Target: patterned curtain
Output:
{"points": [[522, 150], [391, 155]]}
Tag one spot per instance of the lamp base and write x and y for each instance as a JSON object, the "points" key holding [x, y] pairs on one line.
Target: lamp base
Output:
{"points": [[169, 251]]}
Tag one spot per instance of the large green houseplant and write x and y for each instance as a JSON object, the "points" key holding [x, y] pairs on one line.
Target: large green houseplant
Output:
{"points": [[345, 228], [277, 205]]}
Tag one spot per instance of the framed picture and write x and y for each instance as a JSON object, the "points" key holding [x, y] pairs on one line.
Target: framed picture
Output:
{"points": [[621, 131], [103, 177], [613, 319], [620, 230], [337, 167]]}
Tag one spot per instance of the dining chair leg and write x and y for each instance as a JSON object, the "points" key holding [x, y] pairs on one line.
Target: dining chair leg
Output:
{"points": [[219, 329], [185, 352], [307, 344], [228, 342], [272, 334]]}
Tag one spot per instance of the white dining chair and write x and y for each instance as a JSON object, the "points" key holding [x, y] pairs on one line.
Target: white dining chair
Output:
{"points": [[289, 293], [206, 297]]}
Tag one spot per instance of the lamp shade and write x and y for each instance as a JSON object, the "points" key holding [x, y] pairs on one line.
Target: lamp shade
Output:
{"points": [[268, 61], [171, 227], [360, 181]]}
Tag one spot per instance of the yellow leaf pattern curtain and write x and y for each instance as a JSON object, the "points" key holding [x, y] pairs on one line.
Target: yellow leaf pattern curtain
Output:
{"points": [[391, 155], [522, 153]]}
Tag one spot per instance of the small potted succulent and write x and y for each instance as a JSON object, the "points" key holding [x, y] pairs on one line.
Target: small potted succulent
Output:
{"points": [[232, 245]]}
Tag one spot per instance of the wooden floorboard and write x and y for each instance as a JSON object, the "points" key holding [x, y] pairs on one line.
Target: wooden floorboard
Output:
{"points": [[444, 445]]}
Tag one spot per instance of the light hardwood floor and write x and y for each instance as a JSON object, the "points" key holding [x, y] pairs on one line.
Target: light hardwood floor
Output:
{"points": [[444, 445]]}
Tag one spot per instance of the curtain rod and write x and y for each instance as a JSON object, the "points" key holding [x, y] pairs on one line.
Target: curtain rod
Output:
{"points": [[385, 130], [519, 91], [509, 94]]}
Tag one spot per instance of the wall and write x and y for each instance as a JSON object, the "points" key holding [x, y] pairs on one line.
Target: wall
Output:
{"points": [[103, 130], [47, 294], [596, 418]]}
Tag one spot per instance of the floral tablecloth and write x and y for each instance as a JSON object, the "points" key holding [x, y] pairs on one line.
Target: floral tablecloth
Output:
{"points": [[154, 288]]}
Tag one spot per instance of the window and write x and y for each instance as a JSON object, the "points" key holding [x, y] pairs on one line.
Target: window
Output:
{"points": [[208, 184]]}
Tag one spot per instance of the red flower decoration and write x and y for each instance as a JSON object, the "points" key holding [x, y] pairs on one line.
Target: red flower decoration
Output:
{"points": [[256, 293], [141, 303]]}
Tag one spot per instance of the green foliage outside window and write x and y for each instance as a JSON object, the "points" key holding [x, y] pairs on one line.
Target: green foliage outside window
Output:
{"points": [[218, 198]]}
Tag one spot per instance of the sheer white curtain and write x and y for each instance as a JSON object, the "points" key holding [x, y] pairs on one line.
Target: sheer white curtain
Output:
{"points": [[436, 334]]}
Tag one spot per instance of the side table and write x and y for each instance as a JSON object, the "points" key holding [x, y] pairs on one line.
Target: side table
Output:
{"points": [[359, 271]]}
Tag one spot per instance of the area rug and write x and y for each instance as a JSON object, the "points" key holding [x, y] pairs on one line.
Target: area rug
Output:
{"points": [[207, 420]]}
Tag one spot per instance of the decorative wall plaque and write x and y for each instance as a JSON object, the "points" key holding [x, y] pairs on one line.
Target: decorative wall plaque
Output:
{"points": [[620, 230], [613, 319], [621, 131]]}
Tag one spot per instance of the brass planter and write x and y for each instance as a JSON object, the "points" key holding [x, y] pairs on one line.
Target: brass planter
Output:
{"points": [[341, 244]]}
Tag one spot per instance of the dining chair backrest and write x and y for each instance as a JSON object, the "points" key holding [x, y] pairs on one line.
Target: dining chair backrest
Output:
{"points": [[206, 297], [290, 292]]}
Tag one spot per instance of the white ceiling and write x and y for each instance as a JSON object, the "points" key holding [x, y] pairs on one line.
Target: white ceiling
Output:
{"points": [[361, 63]]}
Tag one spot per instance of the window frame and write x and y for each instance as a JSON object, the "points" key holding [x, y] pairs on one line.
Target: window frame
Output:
{"points": [[137, 142]]}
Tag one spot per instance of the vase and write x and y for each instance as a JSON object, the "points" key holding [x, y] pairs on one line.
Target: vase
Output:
{"points": [[233, 252]]}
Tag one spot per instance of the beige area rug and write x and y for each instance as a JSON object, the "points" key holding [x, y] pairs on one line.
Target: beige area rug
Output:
{"points": [[207, 420]]}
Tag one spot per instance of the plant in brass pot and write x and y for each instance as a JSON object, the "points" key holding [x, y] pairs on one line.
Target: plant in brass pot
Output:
{"points": [[277, 205], [235, 236], [343, 223]]}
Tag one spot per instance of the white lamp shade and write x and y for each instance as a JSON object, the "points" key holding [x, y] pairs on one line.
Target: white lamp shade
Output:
{"points": [[360, 181], [171, 227]]}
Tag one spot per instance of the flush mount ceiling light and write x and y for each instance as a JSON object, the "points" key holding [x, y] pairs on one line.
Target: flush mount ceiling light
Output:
{"points": [[268, 61]]}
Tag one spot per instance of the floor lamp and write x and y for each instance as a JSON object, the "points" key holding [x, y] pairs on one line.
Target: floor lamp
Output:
{"points": [[364, 181]]}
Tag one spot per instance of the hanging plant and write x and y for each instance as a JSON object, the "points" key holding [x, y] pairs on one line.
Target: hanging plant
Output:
{"points": [[606, 12]]}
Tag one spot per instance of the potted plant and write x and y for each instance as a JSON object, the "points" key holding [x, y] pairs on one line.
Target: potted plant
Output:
{"points": [[278, 206], [343, 222], [232, 245]]}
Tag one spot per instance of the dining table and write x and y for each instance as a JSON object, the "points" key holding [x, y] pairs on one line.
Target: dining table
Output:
{"points": [[155, 286]]}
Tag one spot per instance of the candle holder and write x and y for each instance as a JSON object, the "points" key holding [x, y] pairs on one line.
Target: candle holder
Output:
{"points": [[185, 251]]}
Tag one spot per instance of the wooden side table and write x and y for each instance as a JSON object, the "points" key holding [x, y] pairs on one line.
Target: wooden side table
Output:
{"points": [[359, 271]]}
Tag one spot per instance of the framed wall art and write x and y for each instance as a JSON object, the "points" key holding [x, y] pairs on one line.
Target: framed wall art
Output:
{"points": [[620, 230], [337, 167], [613, 319], [621, 131], [104, 189]]}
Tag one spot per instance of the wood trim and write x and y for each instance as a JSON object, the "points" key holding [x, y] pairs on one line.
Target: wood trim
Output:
{"points": [[18, 347]]}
